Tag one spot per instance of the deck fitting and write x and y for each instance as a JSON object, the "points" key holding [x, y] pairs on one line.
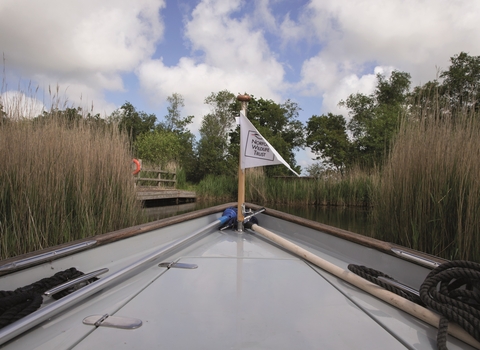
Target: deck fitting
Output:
{"points": [[112, 321]]}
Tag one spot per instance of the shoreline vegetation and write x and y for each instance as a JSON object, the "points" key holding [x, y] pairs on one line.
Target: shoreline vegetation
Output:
{"points": [[354, 189], [426, 196], [62, 181], [76, 182]]}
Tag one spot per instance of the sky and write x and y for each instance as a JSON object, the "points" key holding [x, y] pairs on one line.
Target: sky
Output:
{"points": [[98, 54]]}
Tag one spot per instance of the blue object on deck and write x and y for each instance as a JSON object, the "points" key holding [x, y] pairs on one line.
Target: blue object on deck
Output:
{"points": [[229, 216]]}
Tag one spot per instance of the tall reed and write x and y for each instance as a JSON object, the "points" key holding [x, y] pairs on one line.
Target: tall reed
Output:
{"points": [[60, 182], [217, 188], [429, 196], [353, 189]]}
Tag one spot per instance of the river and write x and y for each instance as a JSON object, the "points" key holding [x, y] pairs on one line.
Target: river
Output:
{"points": [[351, 219]]}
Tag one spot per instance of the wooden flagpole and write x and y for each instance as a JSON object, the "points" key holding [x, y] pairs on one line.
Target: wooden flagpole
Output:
{"points": [[241, 172]]}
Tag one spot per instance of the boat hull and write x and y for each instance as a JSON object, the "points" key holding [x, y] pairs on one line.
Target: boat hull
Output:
{"points": [[247, 292]]}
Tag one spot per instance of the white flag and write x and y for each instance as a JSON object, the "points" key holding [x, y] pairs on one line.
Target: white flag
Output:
{"points": [[256, 151]]}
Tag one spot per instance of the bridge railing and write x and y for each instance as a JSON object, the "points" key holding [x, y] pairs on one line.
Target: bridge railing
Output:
{"points": [[156, 177]]}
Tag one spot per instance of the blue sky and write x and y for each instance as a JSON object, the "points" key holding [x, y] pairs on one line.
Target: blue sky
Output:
{"points": [[314, 52]]}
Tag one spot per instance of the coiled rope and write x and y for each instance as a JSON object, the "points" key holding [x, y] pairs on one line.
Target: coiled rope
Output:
{"points": [[452, 289], [23, 301], [372, 275]]}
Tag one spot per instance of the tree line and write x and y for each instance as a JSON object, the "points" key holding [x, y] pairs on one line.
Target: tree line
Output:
{"points": [[338, 144], [366, 138]]}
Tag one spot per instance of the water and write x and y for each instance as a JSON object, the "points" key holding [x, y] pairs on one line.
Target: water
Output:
{"points": [[351, 219], [356, 220]]}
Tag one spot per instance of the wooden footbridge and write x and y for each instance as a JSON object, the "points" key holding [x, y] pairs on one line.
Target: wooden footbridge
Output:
{"points": [[157, 184], [153, 193]]}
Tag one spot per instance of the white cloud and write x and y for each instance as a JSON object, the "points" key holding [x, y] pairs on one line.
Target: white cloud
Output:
{"points": [[318, 74], [193, 81], [413, 36], [321, 76], [263, 16], [232, 44], [351, 84], [84, 47], [17, 105], [360, 38], [291, 31], [79, 43], [232, 55]]}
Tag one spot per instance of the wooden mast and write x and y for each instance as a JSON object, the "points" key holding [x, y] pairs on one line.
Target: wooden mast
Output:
{"points": [[241, 173]]}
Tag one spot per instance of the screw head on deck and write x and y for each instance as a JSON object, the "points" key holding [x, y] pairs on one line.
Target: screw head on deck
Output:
{"points": [[243, 98]]}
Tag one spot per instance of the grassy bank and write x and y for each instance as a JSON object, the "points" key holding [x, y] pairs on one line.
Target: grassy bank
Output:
{"points": [[61, 182]]}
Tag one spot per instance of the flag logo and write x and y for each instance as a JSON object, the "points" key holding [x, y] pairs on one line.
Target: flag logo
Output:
{"points": [[256, 147]]}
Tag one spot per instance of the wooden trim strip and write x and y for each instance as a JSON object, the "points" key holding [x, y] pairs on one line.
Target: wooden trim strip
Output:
{"points": [[350, 236], [135, 230], [143, 228], [370, 242], [115, 235]]}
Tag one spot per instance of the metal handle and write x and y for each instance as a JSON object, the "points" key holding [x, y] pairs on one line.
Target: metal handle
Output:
{"points": [[417, 258], [75, 281], [248, 217], [40, 258], [29, 321], [399, 285]]}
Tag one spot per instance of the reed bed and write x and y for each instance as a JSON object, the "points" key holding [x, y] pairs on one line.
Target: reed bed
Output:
{"points": [[426, 196], [354, 189], [217, 188], [429, 195], [61, 182]]}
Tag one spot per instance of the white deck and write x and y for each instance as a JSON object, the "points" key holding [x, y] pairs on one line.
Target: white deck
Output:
{"points": [[245, 294]]}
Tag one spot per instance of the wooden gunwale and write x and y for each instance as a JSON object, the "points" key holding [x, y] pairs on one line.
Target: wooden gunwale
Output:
{"points": [[385, 247], [143, 228], [115, 235]]}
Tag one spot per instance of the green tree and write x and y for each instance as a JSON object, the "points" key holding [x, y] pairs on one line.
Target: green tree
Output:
{"points": [[375, 118], [158, 147], [328, 139], [317, 170], [71, 116], [213, 145], [424, 98], [457, 91], [174, 120], [132, 121], [223, 106], [461, 81], [392, 91], [177, 124], [211, 148]]}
